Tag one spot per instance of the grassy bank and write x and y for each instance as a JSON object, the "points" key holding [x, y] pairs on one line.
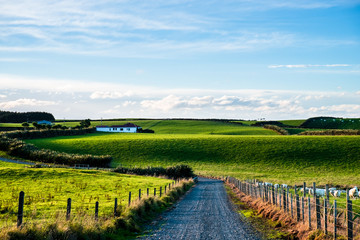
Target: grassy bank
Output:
{"points": [[47, 190], [287, 159]]}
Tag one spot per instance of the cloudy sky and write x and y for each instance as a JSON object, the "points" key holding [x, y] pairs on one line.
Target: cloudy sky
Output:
{"points": [[241, 59]]}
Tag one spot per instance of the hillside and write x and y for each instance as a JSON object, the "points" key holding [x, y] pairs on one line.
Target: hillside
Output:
{"points": [[290, 159]]}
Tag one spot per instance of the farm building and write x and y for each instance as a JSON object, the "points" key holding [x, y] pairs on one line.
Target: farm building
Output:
{"points": [[126, 128]]}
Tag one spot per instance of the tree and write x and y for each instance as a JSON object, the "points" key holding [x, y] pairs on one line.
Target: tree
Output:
{"points": [[25, 125], [85, 123], [36, 125]]}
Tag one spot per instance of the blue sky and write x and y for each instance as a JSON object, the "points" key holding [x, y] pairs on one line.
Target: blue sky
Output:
{"points": [[272, 59]]}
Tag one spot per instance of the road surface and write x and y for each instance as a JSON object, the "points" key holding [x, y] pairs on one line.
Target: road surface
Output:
{"points": [[204, 213]]}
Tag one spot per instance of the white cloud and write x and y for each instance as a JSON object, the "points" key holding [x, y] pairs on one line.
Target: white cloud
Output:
{"points": [[2, 96], [25, 102], [110, 95], [128, 103], [310, 66], [341, 108]]}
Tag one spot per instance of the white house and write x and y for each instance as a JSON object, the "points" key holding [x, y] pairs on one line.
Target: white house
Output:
{"points": [[126, 128]]}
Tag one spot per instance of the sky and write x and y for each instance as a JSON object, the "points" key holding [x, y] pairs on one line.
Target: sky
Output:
{"points": [[234, 59]]}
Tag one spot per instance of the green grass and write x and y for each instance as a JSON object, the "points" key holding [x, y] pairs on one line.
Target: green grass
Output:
{"points": [[47, 189], [294, 123], [287, 159], [187, 127]]}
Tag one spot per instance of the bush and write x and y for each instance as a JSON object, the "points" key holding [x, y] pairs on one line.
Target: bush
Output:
{"points": [[175, 172], [278, 129], [332, 132]]}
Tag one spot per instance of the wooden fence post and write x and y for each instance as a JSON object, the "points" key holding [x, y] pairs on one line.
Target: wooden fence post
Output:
{"points": [[297, 208], [318, 219], [327, 192], [96, 210], [304, 188], [309, 207], [129, 198], [303, 208], [160, 191], [349, 220], [292, 207], [115, 207], [284, 200], [68, 209], [314, 189], [287, 199], [335, 220], [325, 215], [147, 192], [20, 209], [154, 192], [139, 194], [165, 189]]}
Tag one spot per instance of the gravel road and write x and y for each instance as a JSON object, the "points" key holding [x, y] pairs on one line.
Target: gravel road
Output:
{"points": [[204, 213]]}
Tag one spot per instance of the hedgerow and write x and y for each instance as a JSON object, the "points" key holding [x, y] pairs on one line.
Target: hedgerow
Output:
{"points": [[278, 129], [332, 132], [11, 143], [174, 172]]}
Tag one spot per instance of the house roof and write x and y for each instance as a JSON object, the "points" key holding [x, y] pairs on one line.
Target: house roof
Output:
{"points": [[127, 125]]}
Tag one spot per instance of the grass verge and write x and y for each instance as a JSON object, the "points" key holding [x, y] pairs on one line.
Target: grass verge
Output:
{"points": [[125, 226]]}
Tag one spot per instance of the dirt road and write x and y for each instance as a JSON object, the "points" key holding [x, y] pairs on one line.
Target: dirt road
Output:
{"points": [[204, 213]]}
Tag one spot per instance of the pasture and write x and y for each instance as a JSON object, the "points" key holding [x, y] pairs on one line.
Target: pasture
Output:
{"points": [[47, 189], [286, 159]]}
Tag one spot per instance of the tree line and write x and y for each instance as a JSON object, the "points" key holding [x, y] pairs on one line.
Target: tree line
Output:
{"points": [[19, 117]]}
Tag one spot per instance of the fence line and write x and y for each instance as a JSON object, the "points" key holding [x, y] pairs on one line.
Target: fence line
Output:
{"points": [[315, 212], [69, 201]]}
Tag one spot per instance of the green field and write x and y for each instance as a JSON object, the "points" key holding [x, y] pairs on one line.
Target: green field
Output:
{"points": [[287, 159], [47, 189]]}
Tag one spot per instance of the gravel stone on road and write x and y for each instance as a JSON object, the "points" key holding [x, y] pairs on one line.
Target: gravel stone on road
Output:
{"points": [[204, 213]]}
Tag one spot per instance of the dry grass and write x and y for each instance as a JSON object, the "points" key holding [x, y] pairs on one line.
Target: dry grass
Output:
{"points": [[128, 221], [280, 220]]}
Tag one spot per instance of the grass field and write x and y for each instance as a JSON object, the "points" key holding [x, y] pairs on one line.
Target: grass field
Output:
{"points": [[286, 159], [47, 189]]}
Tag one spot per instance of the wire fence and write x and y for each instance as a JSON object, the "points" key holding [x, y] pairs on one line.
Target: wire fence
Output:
{"points": [[332, 217], [74, 209]]}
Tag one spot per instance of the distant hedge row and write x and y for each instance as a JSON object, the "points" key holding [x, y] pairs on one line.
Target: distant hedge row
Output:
{"points": [[332, 132], [175, 172], [277, 129], [33, 134], [19, 117], [11, 143]]}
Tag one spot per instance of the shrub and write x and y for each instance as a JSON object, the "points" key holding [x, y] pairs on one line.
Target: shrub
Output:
{"points": [[175, 172], [332, 132], [278, 129]]}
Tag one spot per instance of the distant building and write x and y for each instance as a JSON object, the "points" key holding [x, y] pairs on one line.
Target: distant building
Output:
{"points": [[44, 122], [126, 128]]}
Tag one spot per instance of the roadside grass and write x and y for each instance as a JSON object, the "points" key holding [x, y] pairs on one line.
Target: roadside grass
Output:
{"points": [[47, 190], [332, 160], [268, 228]]}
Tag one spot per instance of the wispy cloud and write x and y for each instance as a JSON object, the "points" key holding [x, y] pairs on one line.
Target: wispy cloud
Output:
{"points": [[24, 102], [310, 66]]}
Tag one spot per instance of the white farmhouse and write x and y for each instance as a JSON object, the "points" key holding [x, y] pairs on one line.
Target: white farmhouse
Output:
{"points": [[126, 128]]}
